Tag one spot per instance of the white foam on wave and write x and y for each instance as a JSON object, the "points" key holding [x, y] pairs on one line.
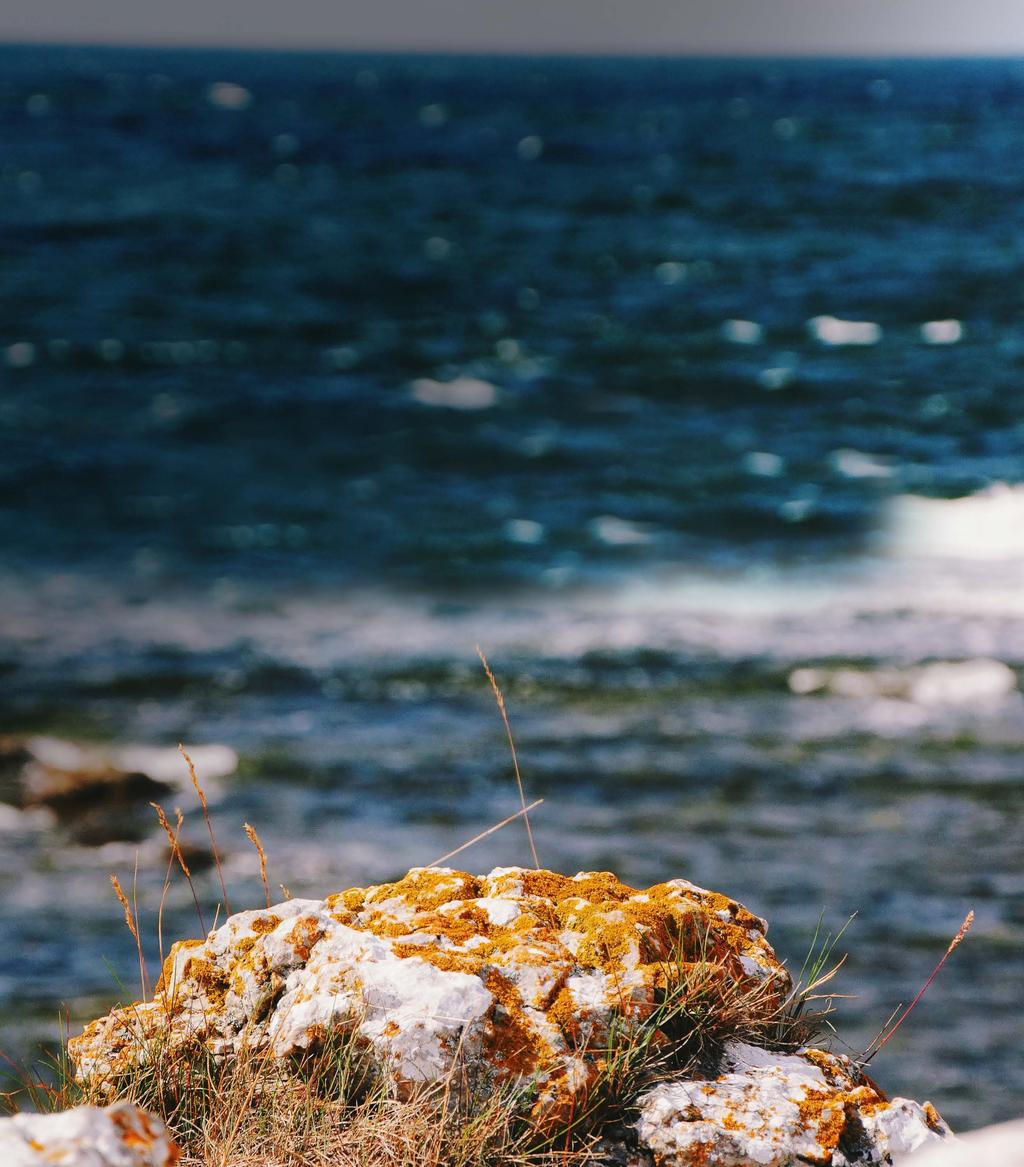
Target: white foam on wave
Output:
{"points": [[225, 95], [616, 532], [466, 393], [831, 330], [764, 464], [162, 763], [776, 377], [527, 531], [228, 95], [742, 331], [20, 355], [987, 526], [942, 331], [856, 464], [944, 585], [881, 611], [958, 683]]}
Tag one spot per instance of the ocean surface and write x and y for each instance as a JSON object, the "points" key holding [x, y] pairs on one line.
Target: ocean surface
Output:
{"points": [[690, 391]]}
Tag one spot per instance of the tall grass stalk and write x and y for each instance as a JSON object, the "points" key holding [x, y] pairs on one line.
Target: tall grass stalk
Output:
{"points": [[209, 826], [253, 838], [130, 920], [483, 834], [174, 837], [889, 1029], [500, 698]]}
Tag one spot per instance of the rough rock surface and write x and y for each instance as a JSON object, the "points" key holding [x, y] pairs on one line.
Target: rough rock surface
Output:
{"points": [[120, 1136], [521, 971], [992, 1146], [774, 1109], [521, 974]]}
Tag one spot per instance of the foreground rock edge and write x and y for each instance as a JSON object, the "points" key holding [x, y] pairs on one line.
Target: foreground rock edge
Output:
{"points": [[773, 1109], [121, 1135], [999, 1145], [523, 975]]}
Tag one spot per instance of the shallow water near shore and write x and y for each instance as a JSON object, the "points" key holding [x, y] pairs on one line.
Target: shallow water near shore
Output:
{"points": [[891, 789], [688, 392]]}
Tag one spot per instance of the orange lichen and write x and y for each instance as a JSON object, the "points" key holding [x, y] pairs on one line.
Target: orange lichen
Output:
{"points": [[427, 888], [511, 1042], [564, 1012], [265, 923], [933, 1118], [823, 1111], [212, 980], [700, 1154], [142, 1138], [351, 900], [523, 933], [439, 958], [167, 972], [305, 933], [244, 946]]}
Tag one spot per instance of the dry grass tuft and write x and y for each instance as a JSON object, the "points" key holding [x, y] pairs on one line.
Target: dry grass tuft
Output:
{"points": [[331, 1108]]}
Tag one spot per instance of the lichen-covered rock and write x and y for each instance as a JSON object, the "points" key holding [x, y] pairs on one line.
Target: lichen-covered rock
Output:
{"points": [[773, 1109], [122, 1135], [522, 972]]}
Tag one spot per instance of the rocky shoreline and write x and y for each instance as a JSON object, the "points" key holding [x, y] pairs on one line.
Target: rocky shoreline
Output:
{"points": [[571, 992]]}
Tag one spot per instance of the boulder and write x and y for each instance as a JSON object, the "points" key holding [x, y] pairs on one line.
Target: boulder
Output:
{"points": [[122, 1135], [531, 978], [519, 972], [774, 1109]]}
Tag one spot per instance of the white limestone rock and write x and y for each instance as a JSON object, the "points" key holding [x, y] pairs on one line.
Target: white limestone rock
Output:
{"points": [[520, 971], [522, 974], [770, 1110], [122, 1135]]}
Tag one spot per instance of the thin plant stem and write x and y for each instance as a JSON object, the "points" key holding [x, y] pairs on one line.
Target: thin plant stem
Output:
{"points": [[255, 840], [500, 698], [135, 908], [490, 831], [209, 826], [160, 910], [176, 853], [961, 933], [129, 919]]}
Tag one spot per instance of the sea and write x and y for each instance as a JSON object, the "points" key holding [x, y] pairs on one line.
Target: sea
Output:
{"points": [[688, 391]]}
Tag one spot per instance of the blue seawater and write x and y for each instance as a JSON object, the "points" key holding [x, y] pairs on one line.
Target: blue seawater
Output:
{"points": [[690, 390]]}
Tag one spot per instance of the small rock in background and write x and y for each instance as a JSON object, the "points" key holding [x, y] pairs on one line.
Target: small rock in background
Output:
{"points": [[122, 1135], [96, 792], [14, 757]]}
